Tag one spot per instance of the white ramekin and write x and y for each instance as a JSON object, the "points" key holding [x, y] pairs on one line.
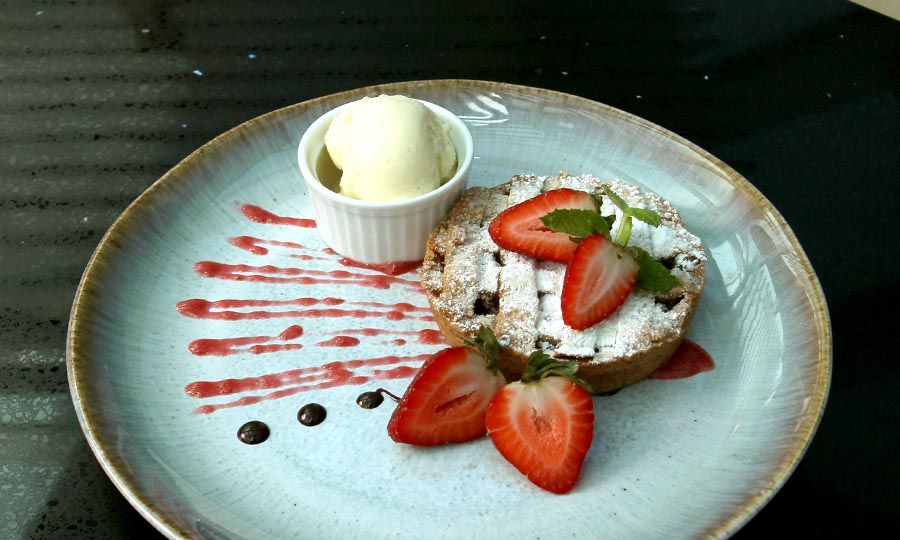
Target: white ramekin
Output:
{"points": [[381, 232]]}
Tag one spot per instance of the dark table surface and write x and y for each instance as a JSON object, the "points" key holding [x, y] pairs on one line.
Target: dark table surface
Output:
{"points": [[99, 99]]}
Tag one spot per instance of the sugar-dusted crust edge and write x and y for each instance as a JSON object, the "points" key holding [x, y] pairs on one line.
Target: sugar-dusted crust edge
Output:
{"points": [[603, 376]]}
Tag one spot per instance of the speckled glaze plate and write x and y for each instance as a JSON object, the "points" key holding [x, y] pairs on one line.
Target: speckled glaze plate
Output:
{"points": [[212, 302]]}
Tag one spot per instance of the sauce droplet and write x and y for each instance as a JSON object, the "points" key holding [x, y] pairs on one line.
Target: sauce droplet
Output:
{"points": [[372, 399], [253, 432], [311, 414], [688, 360], [369, 400]]}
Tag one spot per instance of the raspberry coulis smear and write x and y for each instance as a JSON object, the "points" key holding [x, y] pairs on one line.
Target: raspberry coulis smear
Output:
{"points": [[688, 360], [309, 266]]}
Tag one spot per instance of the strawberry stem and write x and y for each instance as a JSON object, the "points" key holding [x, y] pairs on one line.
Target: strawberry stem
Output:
{"points": [[541, 365], [486, 343]]}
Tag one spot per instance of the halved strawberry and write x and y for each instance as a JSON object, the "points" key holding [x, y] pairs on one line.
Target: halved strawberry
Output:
{"points": [[598, 279], [447, 400], [519, 228], [544, 424]]}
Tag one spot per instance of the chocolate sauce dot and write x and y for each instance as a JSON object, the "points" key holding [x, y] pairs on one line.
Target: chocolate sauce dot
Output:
{"points": [[311, 414], [253, 432], [370, 400]]}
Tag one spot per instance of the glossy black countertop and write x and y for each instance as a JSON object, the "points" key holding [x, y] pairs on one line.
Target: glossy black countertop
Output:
{"points": [[99, 99]]}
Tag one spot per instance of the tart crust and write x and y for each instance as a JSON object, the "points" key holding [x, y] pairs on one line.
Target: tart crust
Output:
{"points": [[470, 282]]}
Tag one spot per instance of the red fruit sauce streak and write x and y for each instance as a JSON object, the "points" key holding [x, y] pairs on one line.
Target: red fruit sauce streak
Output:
{"points": [[339, 341], [427, 336], [689, 360], [255, 246], [257, 344], [258, 215], [391, 268], [301, 276], [400, 372], [198, 308], [340, 370], [326, 376]]}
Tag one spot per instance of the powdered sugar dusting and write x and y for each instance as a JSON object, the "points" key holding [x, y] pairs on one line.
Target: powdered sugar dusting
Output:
{"points": [[517, 320], [519, 296]]}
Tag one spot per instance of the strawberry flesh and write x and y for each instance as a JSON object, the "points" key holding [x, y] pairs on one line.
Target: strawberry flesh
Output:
{"points": [[519, 227], [447, 400], [598, 279], [543, 428]]}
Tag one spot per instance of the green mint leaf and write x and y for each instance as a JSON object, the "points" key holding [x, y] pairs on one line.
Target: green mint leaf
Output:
{"points": [[610, 220], [647, 216], [576, 223], [652, 275], [618, 201]]}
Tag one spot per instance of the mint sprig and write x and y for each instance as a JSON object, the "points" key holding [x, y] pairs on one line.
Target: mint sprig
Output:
{"points": [[642, 214], [579, 224]]}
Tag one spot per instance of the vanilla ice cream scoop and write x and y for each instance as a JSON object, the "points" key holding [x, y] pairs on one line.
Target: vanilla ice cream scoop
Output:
{"points": [[390, 148]]}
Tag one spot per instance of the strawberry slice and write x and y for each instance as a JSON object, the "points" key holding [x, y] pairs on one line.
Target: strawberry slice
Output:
{"points": [[598, 279], [519, 228], [447, 400], [544, 424]]}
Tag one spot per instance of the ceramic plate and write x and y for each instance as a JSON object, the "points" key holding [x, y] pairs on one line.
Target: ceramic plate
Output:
{"points": [[212, 302]]}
